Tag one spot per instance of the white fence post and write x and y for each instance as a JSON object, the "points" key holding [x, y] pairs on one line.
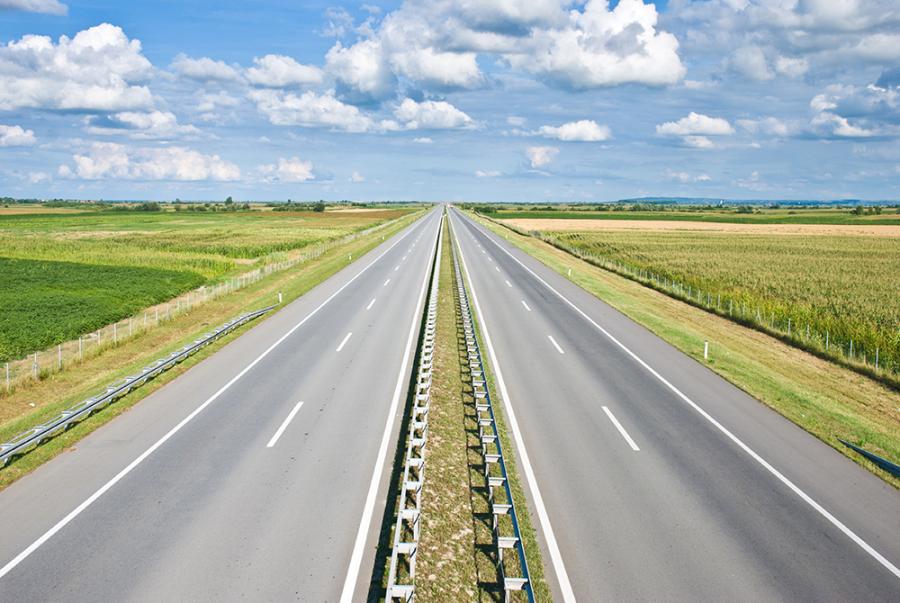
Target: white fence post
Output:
{"points": [[706, 350]]}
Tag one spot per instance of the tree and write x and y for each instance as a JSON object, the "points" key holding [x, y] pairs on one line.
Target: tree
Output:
{"points": [[320, 206], [229, 201]]}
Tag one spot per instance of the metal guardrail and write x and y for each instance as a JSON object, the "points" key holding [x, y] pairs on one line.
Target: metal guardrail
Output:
{"points": [[406, 528], [28, 440], [883, 463], [505, 522]]}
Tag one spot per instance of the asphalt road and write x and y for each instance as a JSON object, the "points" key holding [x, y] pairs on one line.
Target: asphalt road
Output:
{"points": [[222, 485], [649, 477]]}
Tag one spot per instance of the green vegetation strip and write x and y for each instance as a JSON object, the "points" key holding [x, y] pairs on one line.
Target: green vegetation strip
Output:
{"points": [[485, 559], [29, 406], [446, 565], [825, 399]]}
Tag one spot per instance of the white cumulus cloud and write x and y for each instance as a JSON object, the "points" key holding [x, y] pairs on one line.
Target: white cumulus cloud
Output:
{"points": [[695, 129], [431, 115], [108, 160], [49, 7], [292, 169], [541, 156], [585, 130], [751, 62], [361, 69], [310, 110], [137, 124], [601, 47], [205, 69], [98, 69], [279, 71], [16, 136]]}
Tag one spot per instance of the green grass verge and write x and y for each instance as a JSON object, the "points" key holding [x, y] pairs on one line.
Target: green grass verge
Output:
{"points": [[825, 399], [32, 405]]}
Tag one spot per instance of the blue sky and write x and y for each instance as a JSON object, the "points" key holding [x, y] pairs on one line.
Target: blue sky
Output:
{"points": [[529, 100]]}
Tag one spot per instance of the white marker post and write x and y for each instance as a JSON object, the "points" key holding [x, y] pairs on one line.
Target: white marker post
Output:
{"points": [[706, 350]]}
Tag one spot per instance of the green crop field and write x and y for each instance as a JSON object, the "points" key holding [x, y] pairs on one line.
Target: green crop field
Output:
{"points": [[44, 302], [888, 216], [846, 286], [70, 272]]}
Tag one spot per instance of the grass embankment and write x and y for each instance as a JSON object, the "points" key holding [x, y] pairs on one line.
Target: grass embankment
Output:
{"points": [[30, 405], [823, 398], [68, 274]]}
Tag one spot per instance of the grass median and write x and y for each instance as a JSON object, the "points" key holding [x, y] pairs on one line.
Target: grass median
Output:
{"points": [[458, 515], [825, 399], [44, 399]]}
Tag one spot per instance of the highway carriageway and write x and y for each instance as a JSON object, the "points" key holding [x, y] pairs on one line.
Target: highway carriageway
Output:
{"points": [[260, 473], [652, 478]]}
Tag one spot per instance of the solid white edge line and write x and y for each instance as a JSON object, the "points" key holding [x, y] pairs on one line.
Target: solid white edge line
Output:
{"points": [[344, 341], [121, 474], [284, 425], [526, 305], [752, 453], [621, 429], [371, 303], [556, 345], [538, 500], [369, 508]]}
